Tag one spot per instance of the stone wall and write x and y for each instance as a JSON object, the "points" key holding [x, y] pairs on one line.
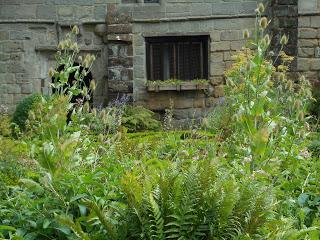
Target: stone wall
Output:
{"points": [[308, 40], [222, 21], [115, 31], [29, 33]]}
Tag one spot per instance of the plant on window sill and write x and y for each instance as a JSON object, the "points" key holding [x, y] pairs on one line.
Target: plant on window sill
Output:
{"points": [[177, 85]]}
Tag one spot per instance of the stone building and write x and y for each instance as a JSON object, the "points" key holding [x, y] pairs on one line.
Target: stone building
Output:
{"points": [[139, 40]]}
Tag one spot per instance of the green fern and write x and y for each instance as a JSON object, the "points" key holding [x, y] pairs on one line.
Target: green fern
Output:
{"points": [[75, 227]]}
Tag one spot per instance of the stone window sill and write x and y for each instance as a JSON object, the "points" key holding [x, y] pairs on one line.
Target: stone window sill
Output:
{"points": [[178, 87]]}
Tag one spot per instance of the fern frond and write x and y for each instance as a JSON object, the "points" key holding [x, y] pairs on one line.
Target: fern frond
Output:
{"points": [[75, 227], [157, 220], [105, 221]]}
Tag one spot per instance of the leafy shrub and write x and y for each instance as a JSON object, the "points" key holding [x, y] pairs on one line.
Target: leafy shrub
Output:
{"points": [[138, 118], [22, 110]]}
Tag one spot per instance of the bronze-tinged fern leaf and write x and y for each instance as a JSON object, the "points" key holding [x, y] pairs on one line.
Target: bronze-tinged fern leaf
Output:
{"points": [[75, 227]]}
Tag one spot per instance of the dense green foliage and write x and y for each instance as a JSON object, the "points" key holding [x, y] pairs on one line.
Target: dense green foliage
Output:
{"points": [[22, 110], [252, 174]]}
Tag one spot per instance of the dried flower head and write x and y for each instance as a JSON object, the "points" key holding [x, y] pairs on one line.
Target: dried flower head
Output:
{"points": [[92, 85], [263, 22], [51, 72], [261, 8], [75, 30], [61, 45], [284, 40], [246, 34], [86, 107], [94, 112], [85, 91]]}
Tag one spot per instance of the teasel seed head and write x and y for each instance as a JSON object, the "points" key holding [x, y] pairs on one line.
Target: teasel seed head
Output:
{"points": [[246, 34], [51, 72], [75, 30], [86, 107], [263, 23], [85, 91], [92, 85], [261, 8], [94, 112], [284, 40]]}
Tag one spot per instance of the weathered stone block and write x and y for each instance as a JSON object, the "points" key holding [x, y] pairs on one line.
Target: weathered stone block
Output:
{"points": [[13, 88], [220, 46], [4, 57], [199, 102], [4, 35], [304, 22], [216, 57], [100, 12], [181, 102], [84, 12], [120, 28], [65, 12], [303, 64], [315, 21], [12, 46], [307, 33], [20, 35], [26, 88], [217, 69], [217, 80], [3, 68], [199, 9], [218, 91], [230, 35], [306, 52], [46, 12], [237, 45], [315, 64], [308, 43]]}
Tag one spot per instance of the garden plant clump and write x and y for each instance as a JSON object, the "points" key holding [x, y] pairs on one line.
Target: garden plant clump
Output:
{"points": [[111, 173]]}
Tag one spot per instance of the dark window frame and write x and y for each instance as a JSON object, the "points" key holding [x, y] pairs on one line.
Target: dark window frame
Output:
{"points": [[180, 48]]}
